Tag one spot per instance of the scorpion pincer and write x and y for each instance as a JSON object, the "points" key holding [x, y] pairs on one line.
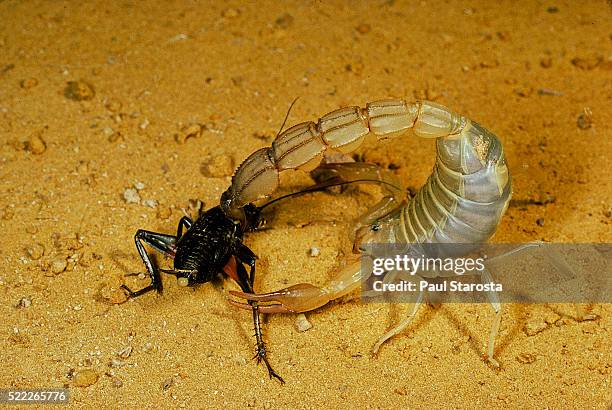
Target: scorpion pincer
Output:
{"points": [[462, 201]]}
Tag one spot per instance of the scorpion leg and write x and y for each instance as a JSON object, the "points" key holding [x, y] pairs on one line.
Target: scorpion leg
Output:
{"points": [[497, 307], [245, 255], [401, 326], [162, 243]]}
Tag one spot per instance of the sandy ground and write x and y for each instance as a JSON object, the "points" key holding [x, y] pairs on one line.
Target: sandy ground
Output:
{"points": [[169, 97]]}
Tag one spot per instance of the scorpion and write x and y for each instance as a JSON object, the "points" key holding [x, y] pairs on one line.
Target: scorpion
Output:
{"points": [[462, 201]]}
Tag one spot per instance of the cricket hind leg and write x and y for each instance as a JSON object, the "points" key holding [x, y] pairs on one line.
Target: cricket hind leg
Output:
{"points": [[165, 244], [244, 255]]}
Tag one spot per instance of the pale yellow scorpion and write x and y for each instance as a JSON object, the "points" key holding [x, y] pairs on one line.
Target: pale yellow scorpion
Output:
{"points": [[462, 201]]}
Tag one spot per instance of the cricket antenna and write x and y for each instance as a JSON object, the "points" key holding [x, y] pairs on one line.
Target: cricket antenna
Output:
{"points": [[286, 117], [332, 182]]}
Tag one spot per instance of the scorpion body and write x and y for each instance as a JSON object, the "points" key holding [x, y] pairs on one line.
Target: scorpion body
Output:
{"points": [[462, 201]]}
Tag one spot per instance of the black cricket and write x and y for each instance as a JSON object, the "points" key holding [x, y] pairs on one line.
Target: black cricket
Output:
{"points": [[211, 245]]}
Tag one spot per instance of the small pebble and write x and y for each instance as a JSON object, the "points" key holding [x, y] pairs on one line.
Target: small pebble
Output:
{"points": [[84, 378], [534, 326], [79, 91], [526, 358], [540, 221], [589, 317], [108, 131], [524, 91], [29, 83], [546, 62], [240, 359], [164, 212], [151, 203], [585, 119], [302, 324], [588, 62], [35, 251], [112, 295], [117, 382], [167, 383], [131, 196], [285, 21], [218, 167], [139, 185], [113, 106], [590, 328], [401, 391], [364, 28], [35, 144], [115, 136], [24, 302], [125, 352], [58, 265], [7, 213], [230, 13], [116, 362], [314, 251], [144, 124], [190, 131]]}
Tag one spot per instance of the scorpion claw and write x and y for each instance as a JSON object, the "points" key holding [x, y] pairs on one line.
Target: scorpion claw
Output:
{"points": [[294, 299]]}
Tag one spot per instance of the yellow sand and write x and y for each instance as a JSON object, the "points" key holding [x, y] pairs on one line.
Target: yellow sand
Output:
{"points": [[526, 70]]}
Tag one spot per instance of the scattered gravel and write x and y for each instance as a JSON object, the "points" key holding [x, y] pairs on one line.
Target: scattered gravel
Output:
{"points": [[301, 323], [314, 251], [151, 203], [125, 352], [29, 83], [79, 91], [35, 144], [84, 378], [24, 302], [534, 326], [131, 196], [218, 166], [526, 358], [190, 131], [58, 265], [35, 251]]}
